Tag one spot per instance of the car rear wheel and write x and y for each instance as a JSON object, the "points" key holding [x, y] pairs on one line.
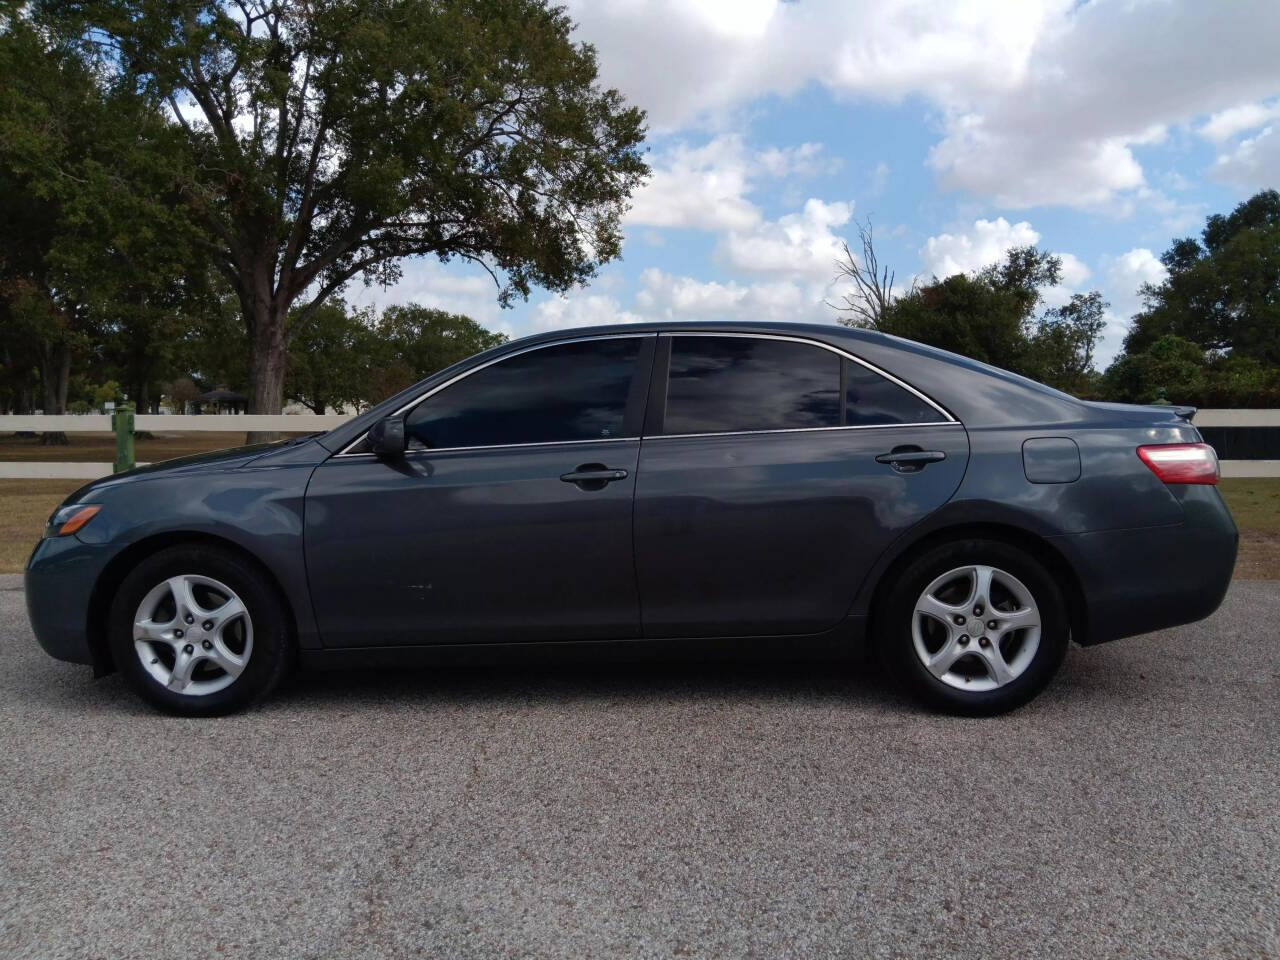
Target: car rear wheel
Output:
{"points": [[975, 627], [195, 631]]}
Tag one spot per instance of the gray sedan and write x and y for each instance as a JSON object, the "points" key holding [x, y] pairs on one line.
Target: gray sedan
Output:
{"points": [[656, 489]]}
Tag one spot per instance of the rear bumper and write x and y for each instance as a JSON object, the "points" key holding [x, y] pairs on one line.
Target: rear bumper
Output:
{"points": [[59, 582], [1140, 580]]}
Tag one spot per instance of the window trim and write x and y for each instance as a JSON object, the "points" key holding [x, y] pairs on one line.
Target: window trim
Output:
{"points": [[653, 417], [656, 415], [639, 373]]}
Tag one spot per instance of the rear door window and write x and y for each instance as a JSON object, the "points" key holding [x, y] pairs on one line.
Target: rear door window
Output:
{"points": [[734, 384], [871, 400], [739, 384]]}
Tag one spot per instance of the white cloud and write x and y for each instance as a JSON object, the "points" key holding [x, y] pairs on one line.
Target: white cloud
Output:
{"points": [[1041, 102], [1125, 275], [1072, 280], [967, 252], [879, 178], [1225, 124], [706, 187], [987, 243], [1074, 271], [664, 296], [454, 287], [1019, 171], [682, 61], [1254, 163], [1099, 87], [796, 244], [703, 187], [805, 160], [579, 309]]}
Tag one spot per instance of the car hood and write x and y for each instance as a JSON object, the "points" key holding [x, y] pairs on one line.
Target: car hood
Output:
{"points": [[214, 461]]}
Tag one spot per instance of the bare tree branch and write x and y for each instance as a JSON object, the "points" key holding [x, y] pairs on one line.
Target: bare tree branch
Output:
{"points": [[872, 283]]}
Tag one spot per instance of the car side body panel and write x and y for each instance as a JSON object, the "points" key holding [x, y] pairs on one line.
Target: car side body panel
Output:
{"points": [[473, 546], [252, 499], [763, 533], [1134, 554]]}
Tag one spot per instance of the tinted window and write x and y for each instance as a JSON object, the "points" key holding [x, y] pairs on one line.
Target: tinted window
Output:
{"points": [[575, 391], [871, 399], [723, 384]]}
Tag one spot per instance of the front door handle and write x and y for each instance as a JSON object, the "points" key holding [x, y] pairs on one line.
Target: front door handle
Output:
{"points": [[593, 476], [910, 459]]}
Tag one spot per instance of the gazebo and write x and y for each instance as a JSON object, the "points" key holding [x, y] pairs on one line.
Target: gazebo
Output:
{"points": [[224, 401]]}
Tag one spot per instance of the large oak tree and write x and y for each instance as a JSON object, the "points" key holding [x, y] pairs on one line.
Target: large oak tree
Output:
{"points": [[326, 140]]}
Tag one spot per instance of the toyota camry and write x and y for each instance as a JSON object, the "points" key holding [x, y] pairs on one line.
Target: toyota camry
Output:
{"points": [[677, 488]]}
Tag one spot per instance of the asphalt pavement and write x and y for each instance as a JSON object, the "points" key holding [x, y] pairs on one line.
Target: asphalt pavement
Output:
{"points": [[657, 811]]}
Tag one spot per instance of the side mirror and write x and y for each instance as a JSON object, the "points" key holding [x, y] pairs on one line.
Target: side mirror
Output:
{"points": [[386, 437]]}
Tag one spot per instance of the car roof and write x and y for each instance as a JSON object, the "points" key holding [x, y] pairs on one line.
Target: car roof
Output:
{"points": [[817, 331], [949, 379]]}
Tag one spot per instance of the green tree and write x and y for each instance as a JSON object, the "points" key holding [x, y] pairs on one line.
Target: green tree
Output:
{"points": [[95, 248], [1172, 364], [1060, 350], [427, 339], [1223, 291], [326, 141], [991, 316], [181, 393], [329, 359], [105, 393], [40, 90], [966, 315], [213, 348]]}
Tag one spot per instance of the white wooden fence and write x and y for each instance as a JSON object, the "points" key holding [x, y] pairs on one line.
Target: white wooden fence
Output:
{"points": [[308, 423], [175, 423], [159, 423]]}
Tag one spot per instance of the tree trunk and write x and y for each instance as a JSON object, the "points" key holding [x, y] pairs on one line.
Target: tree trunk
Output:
{"points": [[55, 373], [64, 378], [266, 368]]}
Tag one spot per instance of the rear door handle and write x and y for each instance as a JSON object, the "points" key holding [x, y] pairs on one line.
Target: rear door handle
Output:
{"points": [[593, 476], [910, 459]]}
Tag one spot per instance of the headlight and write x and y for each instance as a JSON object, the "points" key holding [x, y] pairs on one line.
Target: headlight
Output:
{"points": [[67, 520]]}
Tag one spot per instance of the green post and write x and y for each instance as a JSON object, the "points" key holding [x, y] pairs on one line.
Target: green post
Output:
{"points": [[122, 423]]}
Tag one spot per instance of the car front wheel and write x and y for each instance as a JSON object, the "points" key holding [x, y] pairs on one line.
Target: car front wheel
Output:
{"points": [[195, 631], [975, 627]]}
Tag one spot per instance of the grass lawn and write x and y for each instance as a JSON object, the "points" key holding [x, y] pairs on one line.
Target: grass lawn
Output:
{"points": [[1255, 504], [25, 505]]}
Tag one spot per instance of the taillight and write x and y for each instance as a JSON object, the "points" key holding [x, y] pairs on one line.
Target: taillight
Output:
{"points": [[1181, 462]]}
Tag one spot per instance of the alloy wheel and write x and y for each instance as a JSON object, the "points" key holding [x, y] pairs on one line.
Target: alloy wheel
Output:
{"points": [[976, 628], [193, 635]]}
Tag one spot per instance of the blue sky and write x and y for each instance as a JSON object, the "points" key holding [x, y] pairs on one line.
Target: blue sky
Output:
{"points": [[1099, 131]]}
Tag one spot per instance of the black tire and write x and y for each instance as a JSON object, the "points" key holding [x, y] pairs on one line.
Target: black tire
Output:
{"points": [[897, 650], [272, 649]]}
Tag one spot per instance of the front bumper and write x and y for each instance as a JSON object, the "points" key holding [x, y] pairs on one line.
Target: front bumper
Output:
{"points": [[59, 581], [1151, 578]]}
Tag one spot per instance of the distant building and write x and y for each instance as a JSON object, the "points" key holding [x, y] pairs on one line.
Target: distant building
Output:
{"points": [[223, 401]]}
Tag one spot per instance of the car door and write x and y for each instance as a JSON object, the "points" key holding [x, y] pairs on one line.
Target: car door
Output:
{"points": [[772, 474], [507, 519]]}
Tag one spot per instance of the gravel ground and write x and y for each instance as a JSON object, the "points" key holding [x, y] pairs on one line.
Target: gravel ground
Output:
{"points": [[670, 811]]}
